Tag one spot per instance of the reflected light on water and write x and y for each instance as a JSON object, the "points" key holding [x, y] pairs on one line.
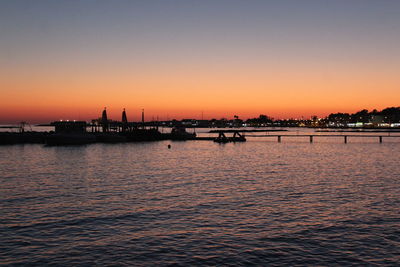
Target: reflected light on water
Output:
{"points": [[200, 203]]}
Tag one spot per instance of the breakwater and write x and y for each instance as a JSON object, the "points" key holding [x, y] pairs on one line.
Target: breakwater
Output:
{"points": [[51, 138]]}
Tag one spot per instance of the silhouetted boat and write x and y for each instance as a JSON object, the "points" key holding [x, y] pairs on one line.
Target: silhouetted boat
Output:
{"points": [[180, 133]]}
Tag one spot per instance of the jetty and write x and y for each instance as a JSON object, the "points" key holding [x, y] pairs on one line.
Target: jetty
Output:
{"points": [[311, 137], [239, 135], [104, 130]]}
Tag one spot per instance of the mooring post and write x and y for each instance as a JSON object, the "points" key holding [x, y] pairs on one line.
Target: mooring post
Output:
{"points": [[279, 138], [345, 139], [311, 138], [380, 139]]}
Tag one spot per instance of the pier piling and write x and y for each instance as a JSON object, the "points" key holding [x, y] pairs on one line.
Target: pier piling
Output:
{"points": [[311, 138], [380, 139], [279, 138], [345, 139]]}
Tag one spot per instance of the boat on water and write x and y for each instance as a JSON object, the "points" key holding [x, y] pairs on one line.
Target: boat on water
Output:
{"points": [[180, 133]]}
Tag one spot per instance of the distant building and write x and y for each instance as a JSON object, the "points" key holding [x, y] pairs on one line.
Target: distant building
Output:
{"points": [[189, 122], [376, 120], [70, 126]]}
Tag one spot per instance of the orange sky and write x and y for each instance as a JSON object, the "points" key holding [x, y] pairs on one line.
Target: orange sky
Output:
{"points": [[58, 63], [282, 96], [287, 90]]}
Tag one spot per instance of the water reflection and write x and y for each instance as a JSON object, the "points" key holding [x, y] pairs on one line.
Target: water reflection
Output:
{"points": [[201, 203]]}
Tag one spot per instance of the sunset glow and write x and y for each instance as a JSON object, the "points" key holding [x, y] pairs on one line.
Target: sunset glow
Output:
{"points": [[68, 60]]}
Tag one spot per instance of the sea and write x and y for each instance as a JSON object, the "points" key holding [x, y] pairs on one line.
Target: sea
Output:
{"points": [[200, 203]]}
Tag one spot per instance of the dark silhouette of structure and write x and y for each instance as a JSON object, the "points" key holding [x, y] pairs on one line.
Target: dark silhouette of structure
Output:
{"points": [[70, 126], [110, 131], [104, 120], [237, 137], [143, 118], [124, 121], [124, 117]]}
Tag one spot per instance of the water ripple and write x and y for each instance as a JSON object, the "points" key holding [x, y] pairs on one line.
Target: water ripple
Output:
{"points": [[199, 203]]}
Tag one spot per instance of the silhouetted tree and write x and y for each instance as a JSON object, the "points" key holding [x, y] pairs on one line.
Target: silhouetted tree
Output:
{"points": [[339, 118], [391, 115], [361, 116]]}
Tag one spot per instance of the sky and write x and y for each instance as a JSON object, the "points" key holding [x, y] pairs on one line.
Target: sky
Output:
{"points": [[193, 59]]}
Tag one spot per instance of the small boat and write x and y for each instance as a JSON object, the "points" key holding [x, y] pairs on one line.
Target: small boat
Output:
{"points": [[180, 133]]}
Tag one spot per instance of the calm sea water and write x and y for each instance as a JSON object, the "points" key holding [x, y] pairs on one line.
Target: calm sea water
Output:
{"points": [[201, 203]]}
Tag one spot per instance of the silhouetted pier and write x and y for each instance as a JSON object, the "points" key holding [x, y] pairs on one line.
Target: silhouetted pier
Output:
{"points": [[247, 131], [243, 133], [222, 138], [103, 130], [312, 136]]}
